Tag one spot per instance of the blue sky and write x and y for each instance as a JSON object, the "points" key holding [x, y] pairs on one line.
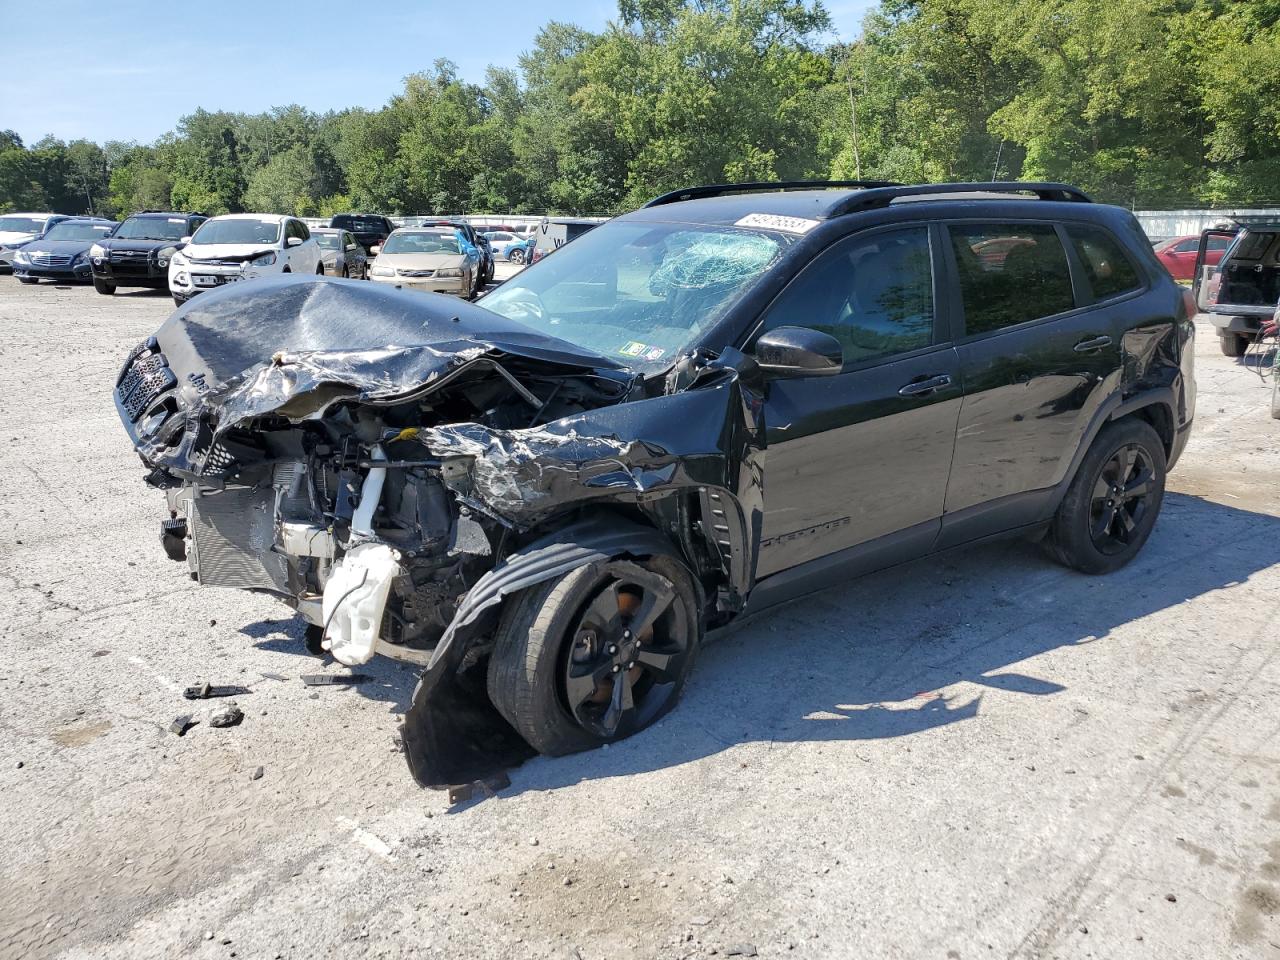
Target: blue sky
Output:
{"points": [[128, 71]]}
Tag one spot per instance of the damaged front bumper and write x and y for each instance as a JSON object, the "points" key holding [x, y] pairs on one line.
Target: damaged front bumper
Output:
{"points": [[393, 466]]}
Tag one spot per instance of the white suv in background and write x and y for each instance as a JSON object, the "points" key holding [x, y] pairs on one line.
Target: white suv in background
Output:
{"points": [[241, 246]]}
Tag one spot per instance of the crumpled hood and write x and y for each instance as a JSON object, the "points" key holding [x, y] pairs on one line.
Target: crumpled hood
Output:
{"points": [[293, 346], [227, 251]]}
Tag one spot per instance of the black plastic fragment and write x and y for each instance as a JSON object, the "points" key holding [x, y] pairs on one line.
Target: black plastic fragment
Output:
{"points": [[333, 679], [206, 691], [182, 724]]}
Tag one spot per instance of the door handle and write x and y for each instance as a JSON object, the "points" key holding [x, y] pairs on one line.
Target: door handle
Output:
{"points": [[918, 387], [1095, 343]]}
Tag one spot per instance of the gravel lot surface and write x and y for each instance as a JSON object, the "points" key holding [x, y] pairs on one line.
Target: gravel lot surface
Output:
{"points": [[982, 755]]}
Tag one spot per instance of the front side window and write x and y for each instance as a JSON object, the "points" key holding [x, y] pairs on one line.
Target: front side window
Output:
{"points": [[240, 230], [637, 292], [873, 294], [1010, 273], [1109, 271]]}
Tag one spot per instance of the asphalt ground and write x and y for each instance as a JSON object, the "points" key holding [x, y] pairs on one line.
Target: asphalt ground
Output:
{"points": [[979, 755]]}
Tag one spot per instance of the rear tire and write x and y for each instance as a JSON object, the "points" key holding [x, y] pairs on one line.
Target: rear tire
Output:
{"points": [[553, 643], [103, 287], [1113, 501], [1233, 344], [516, 256]]}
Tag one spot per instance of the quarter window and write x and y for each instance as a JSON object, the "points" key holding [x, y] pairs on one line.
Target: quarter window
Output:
{"points": [[873, 294], [1109, 271], [1010, 273]]}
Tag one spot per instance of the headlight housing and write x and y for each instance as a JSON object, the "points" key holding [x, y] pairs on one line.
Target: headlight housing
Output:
{"points": [[163, 255], [449, 272], [21, 257], [97, 251], [382, 272], [177, 259], [266, 260]]}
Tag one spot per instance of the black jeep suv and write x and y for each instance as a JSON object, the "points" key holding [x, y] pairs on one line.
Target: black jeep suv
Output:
{"points": [[732, 397], [137, 254]]}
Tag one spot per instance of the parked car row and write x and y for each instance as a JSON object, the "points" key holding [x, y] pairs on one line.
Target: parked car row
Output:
{"points": [[188, 253]]}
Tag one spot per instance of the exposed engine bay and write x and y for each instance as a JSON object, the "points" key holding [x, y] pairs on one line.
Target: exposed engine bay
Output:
{"points": [[372, 457]]}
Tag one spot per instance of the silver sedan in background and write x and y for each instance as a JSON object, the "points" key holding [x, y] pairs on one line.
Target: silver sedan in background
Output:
{"points": [[341, 252]]}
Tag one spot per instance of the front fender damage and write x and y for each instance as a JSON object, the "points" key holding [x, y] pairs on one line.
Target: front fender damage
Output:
{"points": [[707, 436]]}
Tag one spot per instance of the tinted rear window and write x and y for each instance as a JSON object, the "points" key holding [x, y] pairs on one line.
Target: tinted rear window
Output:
{"points": [[1108, 270], [1010, 273], [360, 224]]}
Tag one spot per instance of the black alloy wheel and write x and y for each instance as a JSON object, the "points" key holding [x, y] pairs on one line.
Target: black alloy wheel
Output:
{"points": [[1121, 498], [629, 649], [597, 654], [1113, 501]]}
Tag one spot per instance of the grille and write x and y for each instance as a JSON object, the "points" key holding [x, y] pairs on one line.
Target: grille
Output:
{"points": [[146, 376], [416, 273], [49, 260], [129, 256]]}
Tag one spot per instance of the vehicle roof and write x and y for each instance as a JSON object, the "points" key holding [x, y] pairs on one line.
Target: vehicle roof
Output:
{"points": [[157, 214], [20, 213], [91, 220], [380, 216]]}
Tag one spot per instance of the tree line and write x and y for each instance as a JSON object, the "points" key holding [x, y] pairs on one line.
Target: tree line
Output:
{"points": [[1149, 103]]}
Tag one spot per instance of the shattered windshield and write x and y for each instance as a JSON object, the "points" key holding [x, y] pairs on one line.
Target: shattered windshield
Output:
{"points": [[638, 292]]}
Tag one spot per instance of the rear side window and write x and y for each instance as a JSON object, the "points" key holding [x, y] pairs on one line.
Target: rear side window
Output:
{"points": [[1108, 270], [1010, 273], [873, 294]]}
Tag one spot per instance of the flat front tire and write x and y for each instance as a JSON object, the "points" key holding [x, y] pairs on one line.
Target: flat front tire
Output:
{"points": [[595, 655], [1113, 502]]}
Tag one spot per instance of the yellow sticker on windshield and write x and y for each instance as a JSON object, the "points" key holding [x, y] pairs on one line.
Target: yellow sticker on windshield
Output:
{"points": [[772, 221]]}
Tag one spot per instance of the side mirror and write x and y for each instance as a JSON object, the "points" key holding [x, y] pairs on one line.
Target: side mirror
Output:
{"points": [[293, 242], [375, 250], [799, 352]]}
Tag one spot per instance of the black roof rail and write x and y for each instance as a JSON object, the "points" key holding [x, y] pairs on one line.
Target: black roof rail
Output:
{"points": [[720, 189], [882, 196]]}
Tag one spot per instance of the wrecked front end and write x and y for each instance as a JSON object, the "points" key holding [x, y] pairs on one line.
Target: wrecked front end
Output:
{"points": [[387, 464]]}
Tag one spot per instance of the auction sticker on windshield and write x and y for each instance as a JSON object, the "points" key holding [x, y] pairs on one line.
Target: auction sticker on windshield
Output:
{"points": [[772, 221]]}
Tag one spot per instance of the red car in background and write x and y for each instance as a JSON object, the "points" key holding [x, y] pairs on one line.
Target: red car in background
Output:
{"points": [[1179, 254]]}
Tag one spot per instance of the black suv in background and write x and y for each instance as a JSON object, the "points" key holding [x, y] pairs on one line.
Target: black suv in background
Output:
{"points": [[137, 254], [370, 229], [735, 396]]}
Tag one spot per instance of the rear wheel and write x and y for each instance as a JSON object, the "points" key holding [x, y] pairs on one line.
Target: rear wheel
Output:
{"points": [[1233, 344], [1112, 504], [596, 655], [103, 287], [516, 256]]}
